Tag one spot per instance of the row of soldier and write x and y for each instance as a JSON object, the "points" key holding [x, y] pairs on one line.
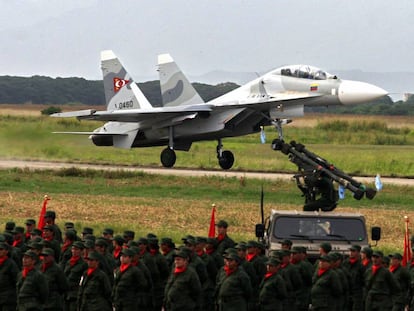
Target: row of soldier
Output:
{"points": [[118, 272]]}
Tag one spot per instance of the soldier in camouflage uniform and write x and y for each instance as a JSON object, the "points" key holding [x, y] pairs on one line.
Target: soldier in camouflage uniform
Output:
{"points": [[32, 287], [380, 286], [326, 286], [183, 289], [272, 289], [356, 271], [94, 288], [57, 283], [403, 278], [233, 288], [73, 270], [8, 277], [129, 281]]}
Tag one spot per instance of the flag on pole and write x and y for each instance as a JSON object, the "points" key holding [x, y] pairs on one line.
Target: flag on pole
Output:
{"points": [[41, 222], [212, 229], [341, 192], [378, 183], [407, 246], [262, 135]]}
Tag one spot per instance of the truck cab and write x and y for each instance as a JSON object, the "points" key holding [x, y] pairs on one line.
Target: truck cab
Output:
{"points": [[310, 229]]}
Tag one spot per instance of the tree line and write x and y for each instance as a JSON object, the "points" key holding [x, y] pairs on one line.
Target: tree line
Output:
{"points": [[62, 91]]}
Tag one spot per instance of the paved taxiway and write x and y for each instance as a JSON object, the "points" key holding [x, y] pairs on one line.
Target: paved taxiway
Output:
{"points": [[4, 164]]}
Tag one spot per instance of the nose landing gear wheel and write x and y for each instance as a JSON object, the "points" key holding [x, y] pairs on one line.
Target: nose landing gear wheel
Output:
{"points": [[226, 160], [168, 157]]}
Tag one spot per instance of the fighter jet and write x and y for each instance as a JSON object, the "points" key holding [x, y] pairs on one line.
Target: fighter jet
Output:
{"points": [[271, 99]]}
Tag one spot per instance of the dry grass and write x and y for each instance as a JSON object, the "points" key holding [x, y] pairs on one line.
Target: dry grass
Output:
{"points": [[175, 217]]}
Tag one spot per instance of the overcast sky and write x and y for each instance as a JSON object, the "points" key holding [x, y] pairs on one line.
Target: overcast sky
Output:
{"points": [[64, 38]]}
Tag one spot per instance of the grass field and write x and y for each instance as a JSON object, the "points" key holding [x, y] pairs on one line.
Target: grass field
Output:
{"points": [[177, 206]]}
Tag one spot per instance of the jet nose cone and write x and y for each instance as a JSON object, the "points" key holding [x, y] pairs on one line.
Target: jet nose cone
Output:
{"points": [[355, 92]]}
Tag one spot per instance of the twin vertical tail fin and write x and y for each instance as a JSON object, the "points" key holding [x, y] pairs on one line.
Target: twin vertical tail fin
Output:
{"points": [[121, 92], [176, 90]]}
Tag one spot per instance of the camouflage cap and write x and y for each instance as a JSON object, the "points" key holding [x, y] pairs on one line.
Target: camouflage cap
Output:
{"points": [[232, 256], [241, 246], [78, 244], [69, 225], [182, 254], [129, 234], [327, 247], [378, 254], [355, 247], [327, 258], [397, 256], [30, 254], [286, 242], [222, 224], [50, 214], [128, 252], [273, 261], [87, 230], [367, 250], [30, 222], [119, 239], [47, 252], [94, 256], [4, 245], [109, 231]]}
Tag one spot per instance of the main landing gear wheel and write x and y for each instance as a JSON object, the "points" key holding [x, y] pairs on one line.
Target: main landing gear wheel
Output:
{"points": [[168, 157], [226, 160]]}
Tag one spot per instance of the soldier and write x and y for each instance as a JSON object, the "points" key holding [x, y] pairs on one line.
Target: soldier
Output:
{"points": [[233, 288], [209, 285], [30, 225], [163, 269], [272, 289], [223, 240], [403, 278], [286, 245], [128, 236], [167, 249], [355, 270], [211, 250], [129, 282], [336, 266], [50, 217], [380, 286], [85, 232], [183, 289], [32, 287], [366, 254], [8, 277], [94, 288], [117, 247], [241, 249], [50, 241], [56, 280], [305, 269], [66, 251], [293, 279], [326, 286], [19, 240], [73, 270], [144, 298]]}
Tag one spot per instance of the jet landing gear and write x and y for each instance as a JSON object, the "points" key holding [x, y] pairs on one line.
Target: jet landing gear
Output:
{"points": [[225, 157], [168, 157], [278, 142]]}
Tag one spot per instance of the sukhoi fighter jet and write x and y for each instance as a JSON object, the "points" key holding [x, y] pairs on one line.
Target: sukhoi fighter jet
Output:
{"points": [[271, 99]]}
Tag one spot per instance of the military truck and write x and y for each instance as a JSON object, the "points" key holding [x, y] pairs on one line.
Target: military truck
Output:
{"points": [[310, 229]]}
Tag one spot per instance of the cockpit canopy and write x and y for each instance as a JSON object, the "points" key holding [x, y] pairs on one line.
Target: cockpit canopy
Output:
{"points": [[303, 71]]}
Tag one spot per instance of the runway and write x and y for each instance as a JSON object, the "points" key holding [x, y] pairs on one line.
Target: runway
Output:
{"points": [[42, 165]]}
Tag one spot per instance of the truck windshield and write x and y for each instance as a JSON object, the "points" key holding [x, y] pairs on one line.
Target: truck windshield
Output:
{"points": [[319, 228]]}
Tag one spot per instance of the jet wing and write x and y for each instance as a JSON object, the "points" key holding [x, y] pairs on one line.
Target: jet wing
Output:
{"points": [[93, 133], [155, 114]]}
